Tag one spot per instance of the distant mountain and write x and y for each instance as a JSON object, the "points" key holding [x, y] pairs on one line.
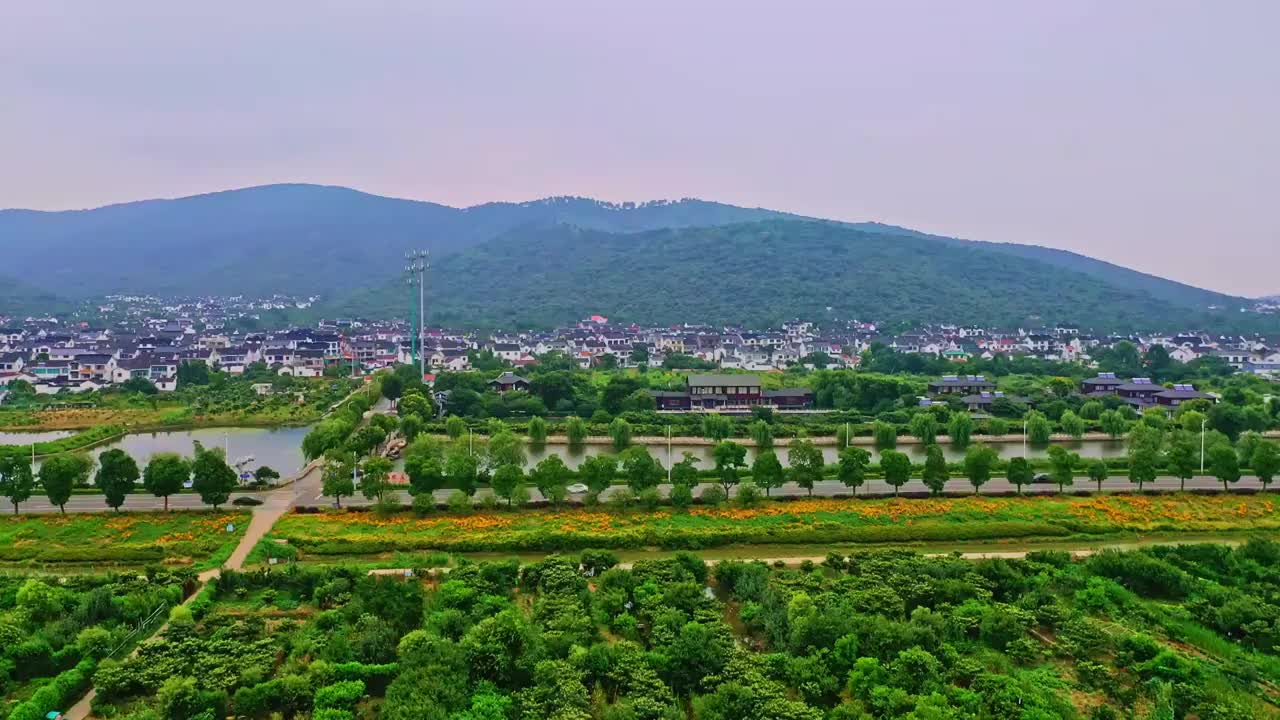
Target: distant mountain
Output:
{"points": [[289, 238], [766, 272], [20, 298], [344, 245]]}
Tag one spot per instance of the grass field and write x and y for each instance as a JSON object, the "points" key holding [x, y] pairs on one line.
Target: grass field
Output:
{"points": [[178, 538], [826, 521]]}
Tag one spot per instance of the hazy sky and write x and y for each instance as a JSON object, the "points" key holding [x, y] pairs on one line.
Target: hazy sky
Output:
{"points": [[1142, 132]]}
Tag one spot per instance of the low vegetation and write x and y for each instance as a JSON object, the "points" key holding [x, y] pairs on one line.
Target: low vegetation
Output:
{"points": [[1169, 632], [178, 538], [819, 521], [54, 631]]}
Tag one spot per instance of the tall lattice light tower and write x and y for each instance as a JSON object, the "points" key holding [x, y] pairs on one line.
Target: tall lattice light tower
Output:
{"points": [[416, 271]]}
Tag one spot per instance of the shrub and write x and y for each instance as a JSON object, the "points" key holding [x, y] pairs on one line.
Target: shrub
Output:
{"points": [[424, 504], [681, 497], [342, 695], [459, 502], [712, 496]]}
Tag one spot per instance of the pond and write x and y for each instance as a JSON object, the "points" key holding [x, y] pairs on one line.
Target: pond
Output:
{"points": [[280, 448], [26, 438]]}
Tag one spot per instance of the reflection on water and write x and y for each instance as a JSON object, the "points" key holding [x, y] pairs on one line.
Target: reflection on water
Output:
{"points": [[573, 456], [280, 448], [26, 438]]}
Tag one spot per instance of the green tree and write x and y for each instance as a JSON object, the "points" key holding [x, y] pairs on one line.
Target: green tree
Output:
{"points": [[1193, 421], [960, 429], [685, 472], [1183, 456], [551, 477], [212, 477], [265, 474], [414, 403], [885, 434], [806, 463], [410, 427], [640, 469], [729, 458], [505, 481], [1019, 473], [1062, 465], [598, 472], [575, 429], [896, 467], [117, 472], [924, 427], [1039, 429], [762, 434], [936, 473], [1098, 471], [374, 483], [165, 475], [462, 470], [537, 430], [1225, 464], [506, 448], [61, 473], [979, 462], [1113, 423], [336, 477], [620, 431], [391, 386], [853, 463], [1266, 462], [716, 427], [455, 427], [766, 471], [1091, 410], [1072, 424], [1144, 454], [17, 482]]}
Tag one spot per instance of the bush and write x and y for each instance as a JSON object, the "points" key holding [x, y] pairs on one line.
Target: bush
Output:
{"points": [[712, 496], [424, 504], [459, 502], [681, 497], [342, 695]]}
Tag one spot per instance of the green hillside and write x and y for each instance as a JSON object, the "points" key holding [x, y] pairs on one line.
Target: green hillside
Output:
{"points": [[762, 273]]}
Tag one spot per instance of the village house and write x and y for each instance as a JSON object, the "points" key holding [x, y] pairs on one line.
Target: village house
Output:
{"points": [[961, 385]]}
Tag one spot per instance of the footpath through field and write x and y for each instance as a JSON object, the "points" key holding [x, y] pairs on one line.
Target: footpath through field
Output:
{"points": [[275, 504]]}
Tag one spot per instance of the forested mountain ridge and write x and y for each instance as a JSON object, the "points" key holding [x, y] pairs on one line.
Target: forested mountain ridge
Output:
{"points": [[347, 246], [289, 238], [765, 272]]}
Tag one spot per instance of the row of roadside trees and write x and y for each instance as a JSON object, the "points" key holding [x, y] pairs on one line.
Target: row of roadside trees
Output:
{"points": [[116, 475]]}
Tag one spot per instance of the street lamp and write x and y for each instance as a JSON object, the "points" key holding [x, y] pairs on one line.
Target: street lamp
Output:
{"points": [[1024, 438], [1203, 422]]}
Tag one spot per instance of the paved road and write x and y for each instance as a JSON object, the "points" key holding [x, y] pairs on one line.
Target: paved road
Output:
{"points": [[306, 491], [310, 493]]}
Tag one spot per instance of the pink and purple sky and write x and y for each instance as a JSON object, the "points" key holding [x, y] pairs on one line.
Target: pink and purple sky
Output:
{"points": [[1145, 132]]}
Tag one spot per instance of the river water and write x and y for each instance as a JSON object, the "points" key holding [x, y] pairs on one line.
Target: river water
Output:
{"points": [[281, 448]]}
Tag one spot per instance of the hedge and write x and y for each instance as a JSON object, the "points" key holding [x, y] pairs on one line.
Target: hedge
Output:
{"points": [[60, 692]]}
